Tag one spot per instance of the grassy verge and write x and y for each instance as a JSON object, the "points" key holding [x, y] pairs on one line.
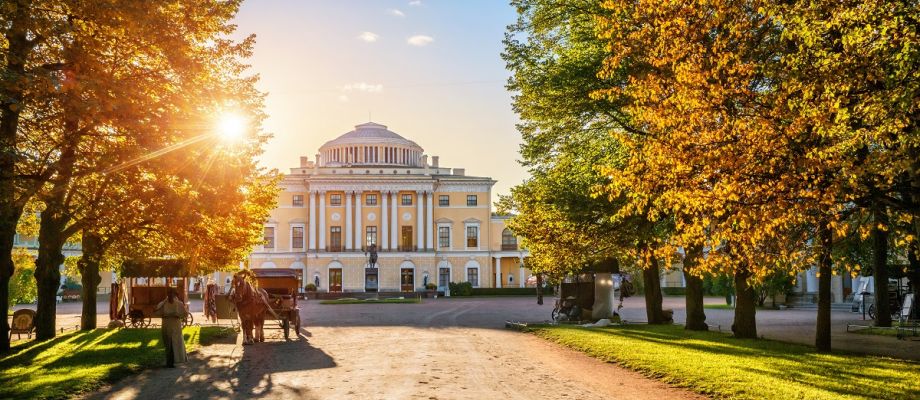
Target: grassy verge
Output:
{"points": [[372, 301], [83, 361], [718, 306], [715, 364], [893, 331]]}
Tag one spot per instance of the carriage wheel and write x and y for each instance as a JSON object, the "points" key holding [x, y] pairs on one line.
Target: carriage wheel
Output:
{"points": [[297, 324], [871, 311], [137, 319], [286, 325], [188, 320]]}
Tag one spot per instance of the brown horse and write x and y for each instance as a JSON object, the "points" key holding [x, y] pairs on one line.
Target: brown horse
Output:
{"points": [[251, 305]]}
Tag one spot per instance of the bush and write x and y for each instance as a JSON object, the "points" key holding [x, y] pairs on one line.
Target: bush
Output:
{"points": [[310, 287], [431, 286], [461, 289], [674, 291]]}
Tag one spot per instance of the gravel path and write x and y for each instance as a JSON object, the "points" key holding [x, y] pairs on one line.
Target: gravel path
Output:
{"points": [[443, 349]]}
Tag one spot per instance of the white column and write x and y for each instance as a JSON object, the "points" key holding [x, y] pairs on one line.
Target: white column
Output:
{"points": [[322, 221], [419, 219], [521, 272], [383, 243], [498, 272], [311, 235], [394, 222], [429, 227], [348, 220], [359, 234]]}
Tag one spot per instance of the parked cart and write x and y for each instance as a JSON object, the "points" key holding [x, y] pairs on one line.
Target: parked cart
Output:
{"points": [[144, 285], [282, 285]]}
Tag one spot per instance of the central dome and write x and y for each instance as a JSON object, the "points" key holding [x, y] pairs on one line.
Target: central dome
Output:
{"points": [[371, 144]]}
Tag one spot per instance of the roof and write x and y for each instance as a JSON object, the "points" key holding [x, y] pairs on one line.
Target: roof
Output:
{"points": [[155, 267], [370, 133], [274, 273]]}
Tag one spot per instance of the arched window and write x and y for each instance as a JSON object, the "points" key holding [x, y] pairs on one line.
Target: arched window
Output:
{"points": [[509, 241]]}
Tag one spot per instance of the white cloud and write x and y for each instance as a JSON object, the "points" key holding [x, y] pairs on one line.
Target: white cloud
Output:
{"points": [[363, 87], [396, 13], [415, 3], [369, 37], [420, 40]]}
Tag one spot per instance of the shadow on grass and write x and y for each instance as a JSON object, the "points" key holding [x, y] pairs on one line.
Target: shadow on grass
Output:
{"points": [[717, 364], [81, 361]]}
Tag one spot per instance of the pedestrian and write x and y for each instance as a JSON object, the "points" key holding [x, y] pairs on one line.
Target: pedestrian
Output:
{"points": [[173, 311]]}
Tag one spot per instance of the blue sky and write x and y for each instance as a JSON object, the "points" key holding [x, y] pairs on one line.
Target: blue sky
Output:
{"points": [[430, 71]]}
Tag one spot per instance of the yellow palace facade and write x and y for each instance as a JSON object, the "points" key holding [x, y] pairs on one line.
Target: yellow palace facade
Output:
{"points": [[371, 186]]}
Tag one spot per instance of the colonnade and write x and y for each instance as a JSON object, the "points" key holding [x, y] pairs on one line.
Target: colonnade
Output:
{"points": [[388, 233]]}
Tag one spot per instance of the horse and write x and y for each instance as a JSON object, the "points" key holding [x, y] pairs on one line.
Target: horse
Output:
{"points": [[251, 305]]}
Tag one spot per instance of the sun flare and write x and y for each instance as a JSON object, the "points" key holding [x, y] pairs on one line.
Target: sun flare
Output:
{"points": [[231, 127]]}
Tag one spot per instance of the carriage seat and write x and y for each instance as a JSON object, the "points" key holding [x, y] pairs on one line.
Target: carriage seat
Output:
{"points": [[23, 323]]}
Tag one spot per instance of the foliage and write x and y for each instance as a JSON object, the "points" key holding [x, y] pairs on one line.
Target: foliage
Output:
{"points": [[461, 288], [431, 286], [83, 361], [70, 284], [22, 284], [759, 369], [674, 291], [719, 285], [310, 287], [775, 283]]}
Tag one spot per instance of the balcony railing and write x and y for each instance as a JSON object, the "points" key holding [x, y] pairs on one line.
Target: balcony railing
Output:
{"points": [[509, 246]]}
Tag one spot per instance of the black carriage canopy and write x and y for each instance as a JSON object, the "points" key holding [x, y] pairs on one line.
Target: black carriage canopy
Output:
{"points": [[155, 267], [275, 273]]}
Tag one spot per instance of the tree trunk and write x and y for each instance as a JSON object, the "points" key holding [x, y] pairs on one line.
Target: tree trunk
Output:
{"points": [[7, 235], [880, 265], [913, 258], [696, 315], [652, 282], [17, 50], [540, 289], [745, 325], [823, 325], [89, 274], [48, 270]]}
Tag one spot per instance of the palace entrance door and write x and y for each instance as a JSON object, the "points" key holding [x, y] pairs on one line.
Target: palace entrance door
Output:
{"points": [[370, 279], [443, 278], [407, 280], [335, 280]]}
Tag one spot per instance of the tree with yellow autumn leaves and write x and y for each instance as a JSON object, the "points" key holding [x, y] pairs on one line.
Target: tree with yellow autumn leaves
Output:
{"points": [[765, 133], [107, 121]]}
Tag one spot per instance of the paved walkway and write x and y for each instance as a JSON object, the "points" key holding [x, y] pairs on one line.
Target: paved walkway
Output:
{"points": [[444, 349]]}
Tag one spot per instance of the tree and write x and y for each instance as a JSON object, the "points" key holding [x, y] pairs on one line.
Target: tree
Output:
{"points": [[127, 80]]}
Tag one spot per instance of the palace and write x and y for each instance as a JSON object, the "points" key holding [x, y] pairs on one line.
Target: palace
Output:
{"points": [[371, 186]]}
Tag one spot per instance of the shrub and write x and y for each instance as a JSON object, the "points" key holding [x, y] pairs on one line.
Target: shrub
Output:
{"points": [[310, 287], [674, 291], [431, 286], [461, 289]]}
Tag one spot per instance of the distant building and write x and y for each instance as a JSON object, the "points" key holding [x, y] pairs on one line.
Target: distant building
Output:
{"points": [[373, 187]]}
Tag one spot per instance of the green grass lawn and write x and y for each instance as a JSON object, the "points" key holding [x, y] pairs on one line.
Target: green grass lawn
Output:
{"points": [[718, 306], [412, 300], [885, 331], [82, 361], [720, 366]]}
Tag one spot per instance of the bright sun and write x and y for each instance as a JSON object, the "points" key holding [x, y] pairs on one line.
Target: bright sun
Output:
{"points": [[231, 127]]}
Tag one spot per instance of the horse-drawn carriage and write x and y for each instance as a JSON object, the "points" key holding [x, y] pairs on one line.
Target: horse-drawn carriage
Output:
{"points": [[282, 285], [144, 285], [266, 293]]}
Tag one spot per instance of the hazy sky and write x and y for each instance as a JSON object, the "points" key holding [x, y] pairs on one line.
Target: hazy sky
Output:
{"points": [[430, 70]]}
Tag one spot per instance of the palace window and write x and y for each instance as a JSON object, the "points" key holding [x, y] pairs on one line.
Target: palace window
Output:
{"points": [[370, 236], [370, 199], [407, 199], [444, 237], [335, 238], [297, 237], [472, 276], [472, 236], [509, 241], [298, 200], [269, 239], [443, 200], [472, 200], [335, 199]]}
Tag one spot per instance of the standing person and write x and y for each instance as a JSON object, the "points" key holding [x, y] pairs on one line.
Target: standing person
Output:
{"points": [[173, 311]]}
